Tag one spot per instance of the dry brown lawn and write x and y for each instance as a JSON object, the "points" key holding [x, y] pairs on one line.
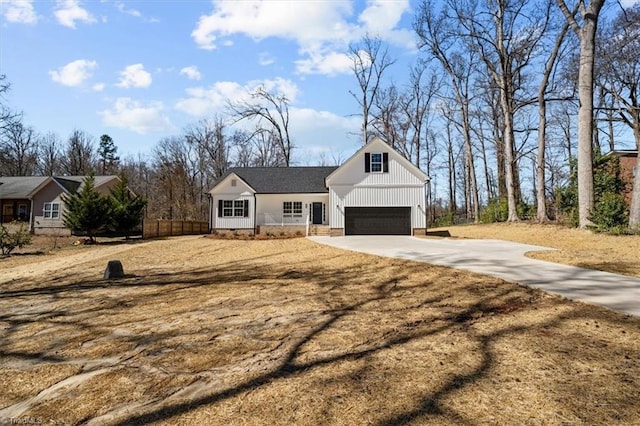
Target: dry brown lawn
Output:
{"points": [[207, 331], [586, 249]]}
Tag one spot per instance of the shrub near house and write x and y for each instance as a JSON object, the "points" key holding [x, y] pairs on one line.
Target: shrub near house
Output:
{"points": [[88, 212], [10, 240]]}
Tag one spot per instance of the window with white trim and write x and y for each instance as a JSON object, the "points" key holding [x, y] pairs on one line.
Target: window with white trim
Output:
{"points": [[292, 209], [238, 208], [51, 211], [376, 162], [233, 208], [227, 208]]}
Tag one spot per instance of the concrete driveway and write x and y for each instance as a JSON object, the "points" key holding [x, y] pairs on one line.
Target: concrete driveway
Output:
{"points": [[506, 260]]}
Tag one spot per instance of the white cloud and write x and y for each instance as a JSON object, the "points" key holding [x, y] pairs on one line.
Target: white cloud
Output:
{"points": [[98, 87], [127, 113], [323, 136], [266, 59], [301, 21], [133, 12], [203, 101], [134, 76], [322, 29], [331, 63], [122, 8], [19, 11], [191, 72], [382, 16], [75, 73], [69, 11]]}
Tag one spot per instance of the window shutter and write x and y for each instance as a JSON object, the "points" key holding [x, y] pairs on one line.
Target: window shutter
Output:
{"points": [[367, 162], [385, 162], [246, 208], [219, 208]]}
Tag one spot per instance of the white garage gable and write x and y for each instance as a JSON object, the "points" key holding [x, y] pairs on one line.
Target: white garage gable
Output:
{"points": [[377, 191]]}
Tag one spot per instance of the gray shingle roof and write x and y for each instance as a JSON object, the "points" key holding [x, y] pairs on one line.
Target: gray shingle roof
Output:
{"points": [[283, 180], [22, 186], [19, 187]]}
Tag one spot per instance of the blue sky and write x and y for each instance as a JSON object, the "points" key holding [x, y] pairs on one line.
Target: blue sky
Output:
{"points": [[143, 70]]}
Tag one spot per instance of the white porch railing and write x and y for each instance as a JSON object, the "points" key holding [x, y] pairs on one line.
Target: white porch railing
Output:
{"points": [[270, 219], [307, 234]]}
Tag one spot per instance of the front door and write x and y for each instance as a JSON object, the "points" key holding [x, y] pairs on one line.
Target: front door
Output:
{"points": [[7, 213], [317, 213]]}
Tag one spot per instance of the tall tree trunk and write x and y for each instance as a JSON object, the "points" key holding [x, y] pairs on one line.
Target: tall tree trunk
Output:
{"points": [[474, 201], [541, 194], [504, 79], [541, 201], [501, 167], [509, 158], [587, 35], [585, 121], [452, 172]]}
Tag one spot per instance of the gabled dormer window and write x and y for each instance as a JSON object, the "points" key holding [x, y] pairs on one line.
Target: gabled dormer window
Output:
{"points": [[376, 162]]}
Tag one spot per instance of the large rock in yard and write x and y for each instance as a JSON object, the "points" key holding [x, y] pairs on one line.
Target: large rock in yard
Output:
{"points": [[114, 270]]}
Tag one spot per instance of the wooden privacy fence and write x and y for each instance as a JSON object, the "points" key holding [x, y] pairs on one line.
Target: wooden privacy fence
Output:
{"points": [[168, 228]]}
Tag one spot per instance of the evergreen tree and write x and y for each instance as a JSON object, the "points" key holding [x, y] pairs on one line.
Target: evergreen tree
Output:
{"points": [[610, 211], [126, 207], [107, 153], [87, 211]]}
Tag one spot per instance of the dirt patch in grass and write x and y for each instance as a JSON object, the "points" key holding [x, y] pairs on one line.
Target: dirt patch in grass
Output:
{"points": [[586, 249], [291, 332], [47, 247]]}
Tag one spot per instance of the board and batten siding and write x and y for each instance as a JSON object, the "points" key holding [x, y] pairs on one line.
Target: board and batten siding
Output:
{"points": [[233, 222], [377, 196], [226, 190], [352, 186]]}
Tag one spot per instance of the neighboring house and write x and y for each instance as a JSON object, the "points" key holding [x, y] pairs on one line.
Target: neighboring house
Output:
{"points": [[628, 168], [37, 200], [376, 191]]}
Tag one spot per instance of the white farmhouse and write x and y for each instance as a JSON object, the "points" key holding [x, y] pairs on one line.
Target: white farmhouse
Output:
{"points": [[375, 192]]}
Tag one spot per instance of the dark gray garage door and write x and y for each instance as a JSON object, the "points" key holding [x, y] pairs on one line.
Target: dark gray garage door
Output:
{"points": [[377, 221]]}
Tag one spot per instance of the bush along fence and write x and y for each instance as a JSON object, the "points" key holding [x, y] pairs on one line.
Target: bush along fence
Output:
{"points": [[168, 228]]}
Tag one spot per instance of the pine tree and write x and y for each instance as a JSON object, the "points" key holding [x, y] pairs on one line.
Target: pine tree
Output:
{"points": [[87, 211], [126, 208]]}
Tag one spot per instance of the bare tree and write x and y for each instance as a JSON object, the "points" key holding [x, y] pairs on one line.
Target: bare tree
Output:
{"points": [[209, 145], [620, 71], [79, 155], [417, 104], [388, 122], [7, 115], [369, 62], [18, 150], [439, 36], [505, 34], [586, 30], [139, 177], [550, 64], [272, 114], [49, 158]]}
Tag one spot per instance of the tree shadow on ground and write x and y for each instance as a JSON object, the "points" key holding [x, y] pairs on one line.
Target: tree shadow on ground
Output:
{"points": [[381, 305]]}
